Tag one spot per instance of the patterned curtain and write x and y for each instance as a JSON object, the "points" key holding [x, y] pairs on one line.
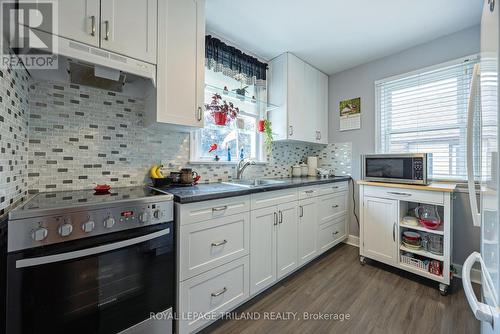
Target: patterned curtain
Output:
{"points": [[221, 57]]}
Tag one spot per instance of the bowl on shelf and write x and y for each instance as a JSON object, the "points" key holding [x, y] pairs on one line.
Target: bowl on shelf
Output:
{"points": [[410, 221], [412, 239]]}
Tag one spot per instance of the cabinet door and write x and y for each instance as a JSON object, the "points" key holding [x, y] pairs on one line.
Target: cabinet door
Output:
{"points": [[129, 27], [286, 254], [78, 20], [322, 111], [380, 218], [263, 225], [181, 62], [298, 117], [308, 223], [311, 94]]}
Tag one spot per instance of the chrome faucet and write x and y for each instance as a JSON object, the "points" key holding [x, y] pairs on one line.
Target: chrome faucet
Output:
{"points": [[242, 165]]}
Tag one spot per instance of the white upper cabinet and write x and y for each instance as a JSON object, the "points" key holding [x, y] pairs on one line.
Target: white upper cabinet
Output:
{"points": [[128, 27], [179, 96], [78, 20], [301, 93]]}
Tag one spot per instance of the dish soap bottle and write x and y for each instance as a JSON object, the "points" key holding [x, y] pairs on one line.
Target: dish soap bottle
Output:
{"points": [[242, 155], [228, 153]]}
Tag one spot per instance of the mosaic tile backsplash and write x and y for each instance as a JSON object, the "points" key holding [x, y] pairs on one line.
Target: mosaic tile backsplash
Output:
{"points": [[74, 136], [13, 136]]}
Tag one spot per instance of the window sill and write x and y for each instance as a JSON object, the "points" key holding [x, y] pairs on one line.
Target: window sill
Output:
{"points": [[210, 162]]}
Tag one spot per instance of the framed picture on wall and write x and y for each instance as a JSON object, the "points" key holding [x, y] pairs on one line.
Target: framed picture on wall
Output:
{"points": [[350, 114]]}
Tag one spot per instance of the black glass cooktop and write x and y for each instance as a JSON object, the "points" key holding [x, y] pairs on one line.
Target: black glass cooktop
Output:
{"points": [[68, 199]]}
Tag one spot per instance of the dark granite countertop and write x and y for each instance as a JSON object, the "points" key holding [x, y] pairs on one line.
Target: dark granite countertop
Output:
{"points": [[209, 191]]}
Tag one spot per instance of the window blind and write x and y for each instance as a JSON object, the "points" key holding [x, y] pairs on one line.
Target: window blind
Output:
{"points": [[426, 112]]}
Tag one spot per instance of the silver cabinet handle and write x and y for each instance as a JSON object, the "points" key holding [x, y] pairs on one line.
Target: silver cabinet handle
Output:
{"points": [[216, 294], [220, 243], [335, 187], [319, 134], [219, 208], [309, 191], [398, 193], [335, 233], [290, 130], [301, 211], [335, 206], [281, 217], [198, 114], [92, 25], [275, 218], [106, 30], [394, 231]]}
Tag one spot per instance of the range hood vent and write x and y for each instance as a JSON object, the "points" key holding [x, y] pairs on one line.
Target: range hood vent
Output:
{"points": [[96, 76]]}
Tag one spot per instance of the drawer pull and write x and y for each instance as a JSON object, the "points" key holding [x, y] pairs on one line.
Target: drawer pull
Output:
{"points": [[335, 187], [281, 217], [335, 206], [220, 243], [398, 193], [301, 211], [216, 294], [219, 208], [309, 191], [335, 233], [275, 218]]}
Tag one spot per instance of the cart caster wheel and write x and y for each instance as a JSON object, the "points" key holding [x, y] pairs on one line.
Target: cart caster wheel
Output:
{"points": [[443, 289], [362, 260]]}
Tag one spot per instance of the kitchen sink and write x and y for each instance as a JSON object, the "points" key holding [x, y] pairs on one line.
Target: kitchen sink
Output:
{"points": [[254, 182]]}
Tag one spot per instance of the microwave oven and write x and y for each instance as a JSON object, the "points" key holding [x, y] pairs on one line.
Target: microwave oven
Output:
{"points": [[408, 168]]}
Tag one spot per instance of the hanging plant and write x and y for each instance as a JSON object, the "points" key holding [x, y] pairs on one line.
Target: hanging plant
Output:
{"points": [[221, 110], [268, 136]]}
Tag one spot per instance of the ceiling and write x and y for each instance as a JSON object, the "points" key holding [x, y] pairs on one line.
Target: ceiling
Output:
{"points": [[334, 35]]}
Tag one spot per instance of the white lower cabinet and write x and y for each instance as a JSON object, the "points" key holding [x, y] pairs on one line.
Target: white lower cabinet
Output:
{"points": [[308, 223], [286, 236], [207, 296], [330, 234], [262, 248], [380, 221], [233, 248], [273, 244]]}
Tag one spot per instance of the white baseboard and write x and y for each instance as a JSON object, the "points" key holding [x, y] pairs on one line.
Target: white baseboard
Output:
{"points": [[475, 275], [352, 240]]}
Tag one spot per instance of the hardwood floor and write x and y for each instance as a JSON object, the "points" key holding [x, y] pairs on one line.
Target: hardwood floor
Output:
{"points": [[378, 299]]}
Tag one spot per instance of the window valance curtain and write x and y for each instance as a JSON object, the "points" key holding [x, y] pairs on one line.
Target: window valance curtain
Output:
{"points": [[221, 57]]}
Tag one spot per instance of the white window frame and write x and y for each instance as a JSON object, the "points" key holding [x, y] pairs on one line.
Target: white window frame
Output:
{"points": [[377, 83]]}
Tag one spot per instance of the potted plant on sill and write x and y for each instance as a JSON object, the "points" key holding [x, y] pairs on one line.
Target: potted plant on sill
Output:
{"points": [[264, 126], [221, 110]]}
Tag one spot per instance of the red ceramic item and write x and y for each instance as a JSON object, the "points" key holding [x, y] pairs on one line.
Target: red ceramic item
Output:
{"points": [[196, 179], [102, 188], [220, 118], [261, 126]]}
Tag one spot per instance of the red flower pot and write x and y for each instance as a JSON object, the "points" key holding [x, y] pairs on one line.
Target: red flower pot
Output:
{"points": [[261, 125], [220, 118]]}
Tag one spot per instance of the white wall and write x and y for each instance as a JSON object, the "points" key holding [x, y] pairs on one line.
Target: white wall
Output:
{"points": [[359, 82]]}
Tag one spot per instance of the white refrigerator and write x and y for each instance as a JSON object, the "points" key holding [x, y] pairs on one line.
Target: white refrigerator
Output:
{"points": [[484, 159]]}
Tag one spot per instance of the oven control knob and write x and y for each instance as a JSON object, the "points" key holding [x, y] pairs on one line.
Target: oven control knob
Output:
{"points": [[109, 222], [39, 234], [88, 226], [65, 229], [144, 217], [158, 214]]}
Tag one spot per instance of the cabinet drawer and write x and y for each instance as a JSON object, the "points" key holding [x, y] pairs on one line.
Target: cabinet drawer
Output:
{"points": [[330, 234], [208, 244], [201, 211], [214, 292], [331, 206], [333, 188], [266, 199], [412, 195]]}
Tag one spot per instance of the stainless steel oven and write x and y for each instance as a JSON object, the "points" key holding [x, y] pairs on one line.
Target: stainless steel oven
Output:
{"points": [[116, 274], [411, 168]]}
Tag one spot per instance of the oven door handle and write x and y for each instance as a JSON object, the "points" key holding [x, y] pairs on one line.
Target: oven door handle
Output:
{"points": [[36, 261]]}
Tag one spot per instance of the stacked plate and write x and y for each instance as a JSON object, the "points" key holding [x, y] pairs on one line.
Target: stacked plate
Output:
{"points": [[412, 240]]}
